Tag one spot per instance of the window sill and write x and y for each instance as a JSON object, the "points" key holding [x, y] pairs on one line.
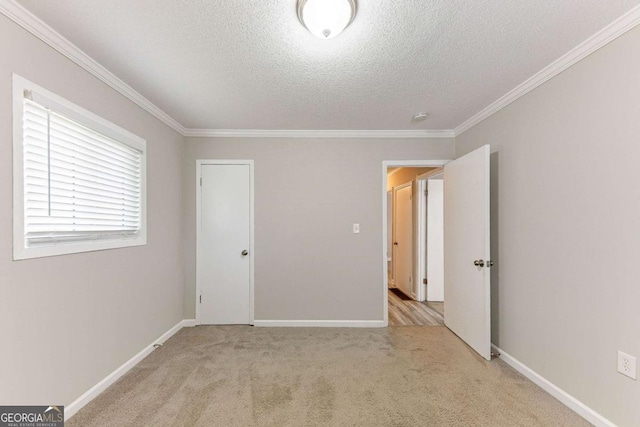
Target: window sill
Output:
{"points": [[22, 253]]}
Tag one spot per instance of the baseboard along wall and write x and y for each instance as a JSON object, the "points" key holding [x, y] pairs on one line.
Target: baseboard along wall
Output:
{"points": [[568, 400], [322, 323], [71, 409]]}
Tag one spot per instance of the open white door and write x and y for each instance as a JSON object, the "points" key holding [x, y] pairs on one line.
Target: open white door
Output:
{"points": [[467, 276]]}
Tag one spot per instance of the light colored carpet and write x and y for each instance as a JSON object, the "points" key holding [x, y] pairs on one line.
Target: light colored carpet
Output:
{"points": [[245, 376]]}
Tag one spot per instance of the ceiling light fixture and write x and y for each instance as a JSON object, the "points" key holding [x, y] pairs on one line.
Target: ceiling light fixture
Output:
{"points": [[326, 18]]}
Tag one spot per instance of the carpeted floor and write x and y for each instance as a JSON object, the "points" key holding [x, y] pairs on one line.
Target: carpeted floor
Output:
{"points": [[245, 376]]}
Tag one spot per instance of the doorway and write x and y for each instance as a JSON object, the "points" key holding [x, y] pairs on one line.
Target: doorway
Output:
{"points": [[224, 248], [413, 222], [467, 254]]}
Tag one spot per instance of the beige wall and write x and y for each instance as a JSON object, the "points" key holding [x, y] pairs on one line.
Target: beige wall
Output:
{"points": [[566, 203], [308, 193], [567, 226], [66, 322]]}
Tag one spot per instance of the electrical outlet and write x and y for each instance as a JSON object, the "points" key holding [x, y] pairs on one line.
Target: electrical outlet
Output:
{"points": [[626, 364]]}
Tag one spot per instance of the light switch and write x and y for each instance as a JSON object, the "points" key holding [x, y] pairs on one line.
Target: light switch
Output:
{"points": [[356, 228]]}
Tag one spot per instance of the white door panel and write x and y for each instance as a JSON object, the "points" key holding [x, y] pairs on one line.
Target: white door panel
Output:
{"points": [[225, 225], [466, 239], [403, 239]]}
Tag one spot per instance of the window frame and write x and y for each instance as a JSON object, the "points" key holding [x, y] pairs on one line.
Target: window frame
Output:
{"points": [[96, 123]]}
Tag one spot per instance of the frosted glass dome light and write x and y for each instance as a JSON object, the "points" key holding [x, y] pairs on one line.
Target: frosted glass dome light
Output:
{"points": [[326, 18]]}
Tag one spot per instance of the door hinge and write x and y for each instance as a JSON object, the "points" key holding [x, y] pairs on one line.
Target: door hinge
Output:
{"points": [[424, 281], [410, 279], [200, 181], [200, 298]]}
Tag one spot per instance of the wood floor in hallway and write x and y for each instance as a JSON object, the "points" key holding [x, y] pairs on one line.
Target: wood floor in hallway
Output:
{"points": [[403, 311]]}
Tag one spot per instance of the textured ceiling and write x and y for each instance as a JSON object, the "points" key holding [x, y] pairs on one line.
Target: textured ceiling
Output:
{"points": [[232, 64]]}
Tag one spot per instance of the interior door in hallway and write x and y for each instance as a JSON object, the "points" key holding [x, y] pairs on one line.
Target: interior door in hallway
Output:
{"points": [[467, 276], [403, 238], [224, 261]]}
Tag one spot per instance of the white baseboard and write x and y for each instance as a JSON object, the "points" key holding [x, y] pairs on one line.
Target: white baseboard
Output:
{"points": [[568, 400], [322, 323], [71, 409]]}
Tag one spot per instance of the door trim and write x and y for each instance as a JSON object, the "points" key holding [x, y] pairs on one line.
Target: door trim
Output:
{"points": [[386, 164], [252, 252]]}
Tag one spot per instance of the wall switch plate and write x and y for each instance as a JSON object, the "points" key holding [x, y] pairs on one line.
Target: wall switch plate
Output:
{"points": [[356, 228], [626, 364]]}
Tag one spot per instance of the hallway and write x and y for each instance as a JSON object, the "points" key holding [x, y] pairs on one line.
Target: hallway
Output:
{"points": [[403, 311]]}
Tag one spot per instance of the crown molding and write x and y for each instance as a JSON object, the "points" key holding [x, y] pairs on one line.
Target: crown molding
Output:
{"points": [[287, 133], [44, 32], [606, 35]]}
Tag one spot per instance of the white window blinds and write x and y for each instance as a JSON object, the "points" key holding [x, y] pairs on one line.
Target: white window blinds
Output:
{"points": [[79, 185]]}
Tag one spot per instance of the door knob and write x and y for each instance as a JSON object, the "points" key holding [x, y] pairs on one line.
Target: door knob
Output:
{"points": [[245, 253], [478, 263]]}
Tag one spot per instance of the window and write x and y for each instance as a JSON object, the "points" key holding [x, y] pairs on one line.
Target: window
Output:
{"points": [[79, 180]]}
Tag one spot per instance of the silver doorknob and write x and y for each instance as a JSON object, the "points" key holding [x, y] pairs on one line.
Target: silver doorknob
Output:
{"points": [[478, 263], [245, 253]]}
